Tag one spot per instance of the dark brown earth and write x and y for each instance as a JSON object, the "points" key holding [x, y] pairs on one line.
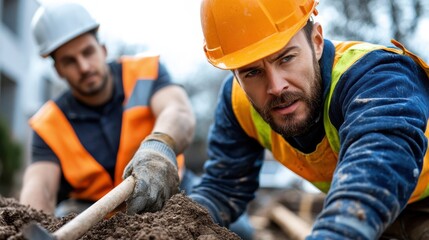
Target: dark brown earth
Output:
{"points": [[181, 218]]}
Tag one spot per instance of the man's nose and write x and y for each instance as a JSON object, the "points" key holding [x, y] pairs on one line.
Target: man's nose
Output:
{"points": [[83, 64], [277, 82]]}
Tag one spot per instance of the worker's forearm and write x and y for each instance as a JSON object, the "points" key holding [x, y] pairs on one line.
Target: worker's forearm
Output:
{"points": [[40, 186], [179, 123], [38, 198]]}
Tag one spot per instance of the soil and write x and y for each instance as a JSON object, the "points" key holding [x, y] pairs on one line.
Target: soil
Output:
{"points": [[181, 218]]}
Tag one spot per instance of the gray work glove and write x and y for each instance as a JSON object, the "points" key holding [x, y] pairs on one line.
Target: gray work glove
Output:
{"points": [[154, 167]]}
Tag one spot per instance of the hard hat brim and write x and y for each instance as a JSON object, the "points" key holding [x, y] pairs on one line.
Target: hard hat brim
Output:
{"points": [[256, 51], [45, 52], [265, 46]]}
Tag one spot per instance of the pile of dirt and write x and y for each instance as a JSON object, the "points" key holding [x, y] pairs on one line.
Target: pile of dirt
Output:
{"points": [[181, 218]]}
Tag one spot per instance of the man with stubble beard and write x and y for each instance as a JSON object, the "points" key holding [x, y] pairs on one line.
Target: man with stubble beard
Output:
{"points": [[117, 119]]}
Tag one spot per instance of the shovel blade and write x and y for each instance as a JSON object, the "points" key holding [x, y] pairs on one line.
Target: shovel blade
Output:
{"points": [[34, 231]]}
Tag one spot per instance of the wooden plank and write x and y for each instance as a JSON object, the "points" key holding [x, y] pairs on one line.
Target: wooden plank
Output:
{"points": [[289, 222]]}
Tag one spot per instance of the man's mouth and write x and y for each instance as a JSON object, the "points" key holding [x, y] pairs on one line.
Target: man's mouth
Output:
{"points": [[284, 105], [88, 77], [286, 108]]}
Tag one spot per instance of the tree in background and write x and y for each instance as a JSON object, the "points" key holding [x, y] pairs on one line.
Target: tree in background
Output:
{"points": [[10, 160], [378, 21]]}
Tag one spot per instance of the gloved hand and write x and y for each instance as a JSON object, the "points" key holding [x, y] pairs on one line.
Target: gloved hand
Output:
{"points": [[155, 168]]}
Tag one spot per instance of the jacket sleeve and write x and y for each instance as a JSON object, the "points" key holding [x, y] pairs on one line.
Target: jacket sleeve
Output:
{"points": [[232, 172], [380, 108]]}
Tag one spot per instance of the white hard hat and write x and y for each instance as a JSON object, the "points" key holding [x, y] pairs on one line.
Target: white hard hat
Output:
{"points": [[56, 23]]}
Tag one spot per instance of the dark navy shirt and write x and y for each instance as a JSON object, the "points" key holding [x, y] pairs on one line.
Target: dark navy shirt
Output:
{"points": [[98, 128]]}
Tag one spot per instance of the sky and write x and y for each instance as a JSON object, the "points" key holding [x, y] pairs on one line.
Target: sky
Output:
{"points": [[170, 27]]}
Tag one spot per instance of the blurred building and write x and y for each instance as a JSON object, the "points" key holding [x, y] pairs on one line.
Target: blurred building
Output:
{"points": [[26, 80]]}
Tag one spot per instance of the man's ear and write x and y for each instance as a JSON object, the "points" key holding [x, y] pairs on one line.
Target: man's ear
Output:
{"points": [[318, 41], [104, 50], [57, 69]]}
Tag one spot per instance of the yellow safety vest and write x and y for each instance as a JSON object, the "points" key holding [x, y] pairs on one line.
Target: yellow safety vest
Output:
{"points": [[318, 167], [90, 181]]}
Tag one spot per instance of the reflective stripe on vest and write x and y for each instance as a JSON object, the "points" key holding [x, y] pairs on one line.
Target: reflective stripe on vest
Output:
{"points": [[88, 178], [318, 167]]}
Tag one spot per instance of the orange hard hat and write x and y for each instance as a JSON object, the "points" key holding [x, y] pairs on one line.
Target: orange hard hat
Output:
{"points": [[239, 32]]}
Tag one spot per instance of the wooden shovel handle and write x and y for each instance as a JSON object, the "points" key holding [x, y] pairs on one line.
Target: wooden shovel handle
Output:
{"points": [[289, 222], [97, 211]]}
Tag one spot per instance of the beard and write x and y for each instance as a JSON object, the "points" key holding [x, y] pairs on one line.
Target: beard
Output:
{"points": [[290, 126], [92, 90]]}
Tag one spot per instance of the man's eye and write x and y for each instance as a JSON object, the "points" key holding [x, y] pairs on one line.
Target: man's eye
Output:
{"points": [[252, 73], [88, 52], [288, 58], [67, 61]]}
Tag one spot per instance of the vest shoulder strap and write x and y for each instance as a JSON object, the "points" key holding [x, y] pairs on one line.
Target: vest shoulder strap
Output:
{"points": [[138, 67], [346, 54]]}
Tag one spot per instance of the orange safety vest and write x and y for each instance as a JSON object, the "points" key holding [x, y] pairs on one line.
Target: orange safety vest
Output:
{"points": [[90, 181], [318, 167]]}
